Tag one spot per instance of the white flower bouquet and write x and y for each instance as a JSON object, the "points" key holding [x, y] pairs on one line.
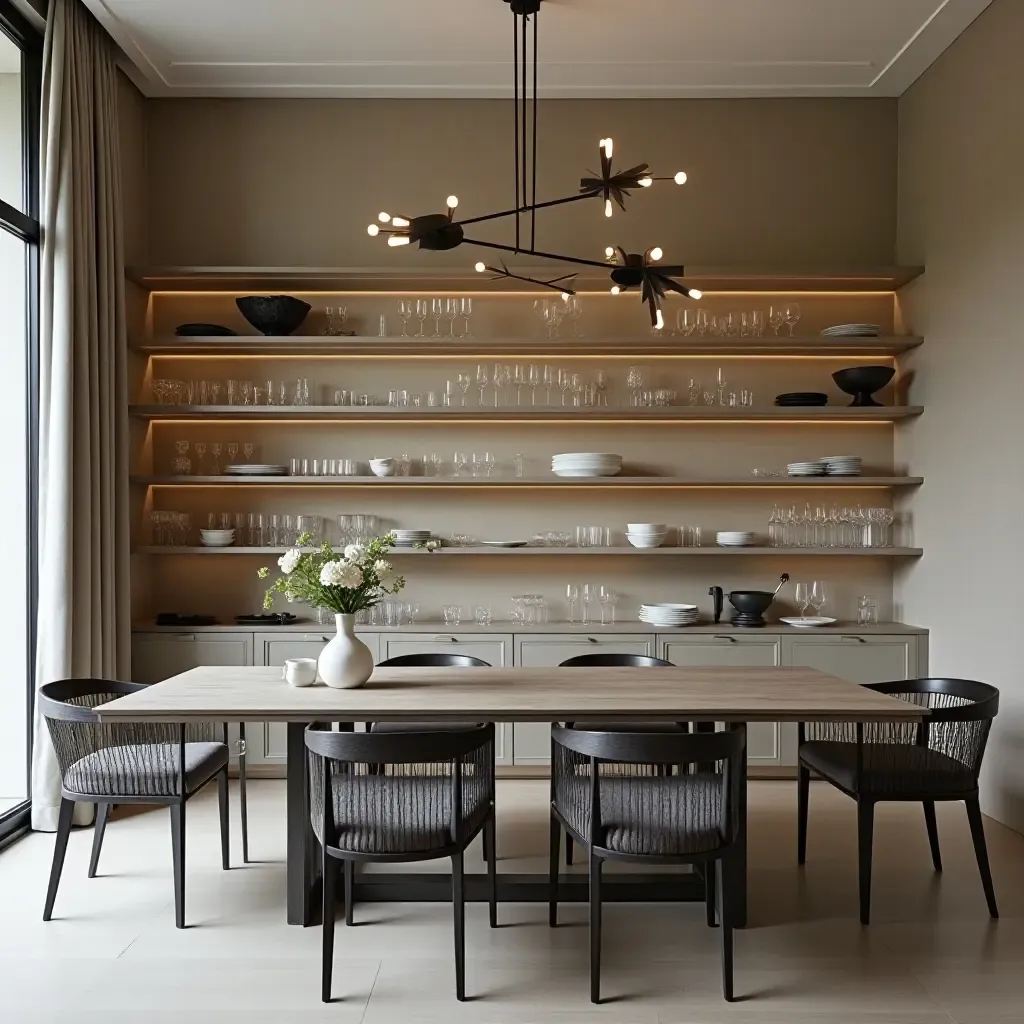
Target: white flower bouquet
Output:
{"points": [[358, 578]]}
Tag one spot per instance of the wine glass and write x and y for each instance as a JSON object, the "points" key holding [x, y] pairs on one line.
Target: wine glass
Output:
{"points": [[776, 317], [182, 463], [533, 379], [489, 463], [451, 311], [405, 312], [574, 310], [572, 595], [721, 386], [564, 382], [421, 314], [601, 388], [540, 307], [607, 599], [550, 379], [818, 596], [634, 381], [436, 312], [464, 381], [481, 380], [466, 311], [519, 379], [499, 380], [458, 463], [702, 320], [247, 449], [200, 448], [791, 315], [686, 321], [803, 598], [232, 452], [576, 384], [476, 464], [215, 449]]}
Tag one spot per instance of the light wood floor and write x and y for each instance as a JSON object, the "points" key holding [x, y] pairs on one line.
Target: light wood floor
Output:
{"points": [[112, 954]]}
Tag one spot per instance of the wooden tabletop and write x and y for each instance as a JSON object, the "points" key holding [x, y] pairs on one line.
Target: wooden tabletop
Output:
{"points": [[514, 695]]}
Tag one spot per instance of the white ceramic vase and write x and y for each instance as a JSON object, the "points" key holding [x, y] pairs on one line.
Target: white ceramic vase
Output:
{"points": [[346, 662]]}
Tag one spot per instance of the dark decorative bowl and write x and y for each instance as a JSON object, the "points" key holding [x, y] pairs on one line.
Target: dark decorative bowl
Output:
{"points": [[203, 331], [863, 381], [751, 602], [273, 314]]}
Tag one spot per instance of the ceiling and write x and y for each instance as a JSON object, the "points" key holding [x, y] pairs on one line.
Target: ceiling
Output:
{"points": [[588, 48]]}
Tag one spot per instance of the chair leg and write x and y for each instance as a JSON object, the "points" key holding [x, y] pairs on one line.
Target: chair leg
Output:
{"points": [[725, 915], [554, 839], [595, 928], [865, 829], [243, 804], [459, 910], [492, 873], [60, 846], [803, 792], [709, 891], [102, 811], [933, 833], [981, 852], [330, 888], [568, 850], [350, 885], [225, 819], [178, 856]]}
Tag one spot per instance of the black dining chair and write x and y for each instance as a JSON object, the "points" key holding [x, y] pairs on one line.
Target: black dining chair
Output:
{"points": [[430, 795], [611, 660], [608, 796], [936, 759], [107, 763]]}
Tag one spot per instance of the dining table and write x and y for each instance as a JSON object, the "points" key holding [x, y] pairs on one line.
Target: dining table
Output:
{"points": [[713, 697]]}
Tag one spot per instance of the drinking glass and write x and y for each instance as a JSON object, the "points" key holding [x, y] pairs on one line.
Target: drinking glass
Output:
{"points": [[255, 529], [452, 614], [757, 323], [215, 449], [200, 447], [464, 381], [458, 464], [686, 321], [572, 595], [540, 307], [576, 384], [587, 594], [482, 615], [517, 461], [818, 596], [574, 310], [803, 597], [791, 315], [549, 378], [481, 380], [451, 312], [466, 311], [703, 319], [421, 314], [405, 312], [564, 382], [436, 312], [518, 379], [867, 610], [732, 325], [247, 449], [601, 383], [533, 378], [488, 463], [776, 317], [234, 394], [499, 380], [634, 381], [182, 465], [607, 600], [476, 464]]}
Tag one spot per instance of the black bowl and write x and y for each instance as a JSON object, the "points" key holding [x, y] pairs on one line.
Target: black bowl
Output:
{"points": [[203, 331], [751, 602], [863, 381], [273, 314]]}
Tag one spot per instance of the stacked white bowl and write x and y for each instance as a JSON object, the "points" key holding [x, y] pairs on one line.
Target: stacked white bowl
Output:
{"points": [[578, 464], [646, 535], [669, 615], [217, 538], [734, 538], [842, 465], [410, 538]]}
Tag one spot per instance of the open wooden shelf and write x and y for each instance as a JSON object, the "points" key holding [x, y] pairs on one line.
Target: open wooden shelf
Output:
{"points": [[546, 552], [680, 483], [462, 277], [469, 348], [517, 414]]}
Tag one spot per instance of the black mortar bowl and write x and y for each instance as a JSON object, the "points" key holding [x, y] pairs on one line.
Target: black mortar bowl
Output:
{"points": [[863, 381]]}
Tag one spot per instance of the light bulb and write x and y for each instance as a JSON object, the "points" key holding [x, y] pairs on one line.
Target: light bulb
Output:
{"points": [[656, 253], [398, 240], [399, 222], [616, 289], [609, 251], [659, 320], [479, 267], [645, 182], [680, 178], [606, 144], [383, 217], [696, 293], [607, 207], [565, 296], [452, 202], [373, 230]]}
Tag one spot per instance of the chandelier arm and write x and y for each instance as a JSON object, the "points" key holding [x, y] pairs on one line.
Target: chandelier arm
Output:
{"points": [[529, 207], [536, 252]]}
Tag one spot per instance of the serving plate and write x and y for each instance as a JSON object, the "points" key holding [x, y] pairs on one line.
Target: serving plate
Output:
{"points": [[807, 621]]}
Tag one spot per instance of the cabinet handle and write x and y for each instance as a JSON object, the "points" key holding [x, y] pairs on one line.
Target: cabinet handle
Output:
{"points": [[183, 638], [315, 636], [448, 639], [859, 639], [719, 636], [589, 639]]}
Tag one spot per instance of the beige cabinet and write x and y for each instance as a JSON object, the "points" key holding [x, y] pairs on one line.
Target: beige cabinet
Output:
{"points": [[531, 741], [768, 743], [494, 648], [859, 658], [160, 655]]}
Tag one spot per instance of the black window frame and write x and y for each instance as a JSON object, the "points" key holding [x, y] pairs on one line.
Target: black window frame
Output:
{"points": [[25, 225]]}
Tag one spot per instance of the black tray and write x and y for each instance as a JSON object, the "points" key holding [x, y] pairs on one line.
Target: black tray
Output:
{"points": [[174, 619], [275, 619]]}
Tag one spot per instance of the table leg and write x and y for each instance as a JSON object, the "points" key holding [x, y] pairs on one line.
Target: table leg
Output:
{"points": [[301, 847], [738, 861]]}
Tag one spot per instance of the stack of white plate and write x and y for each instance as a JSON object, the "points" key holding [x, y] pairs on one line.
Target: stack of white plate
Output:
{"points": [[646, 535], [734, 538], [853, 331], [842, 465], [254, 469], [217, 538], [410, 538], [586, 464], [669, 615], [816, 468]]}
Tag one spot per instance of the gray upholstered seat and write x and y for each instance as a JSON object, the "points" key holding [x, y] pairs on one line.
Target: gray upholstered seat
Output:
{"points": [[143, 769], [399, 813], [671, 815], [888, 767]]}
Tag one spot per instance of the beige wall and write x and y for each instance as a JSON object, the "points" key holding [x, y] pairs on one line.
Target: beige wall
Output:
{"points": [[962, 215], [295, 182]]}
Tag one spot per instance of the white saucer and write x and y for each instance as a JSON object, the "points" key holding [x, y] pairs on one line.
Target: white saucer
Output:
{"points": [[808, 621]]}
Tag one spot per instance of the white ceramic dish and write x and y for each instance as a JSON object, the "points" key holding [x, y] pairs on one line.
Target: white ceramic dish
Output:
{"points": [[642, 529], [504, 543], [610, 471], [646, 541], [807, 621], [384, 468]]}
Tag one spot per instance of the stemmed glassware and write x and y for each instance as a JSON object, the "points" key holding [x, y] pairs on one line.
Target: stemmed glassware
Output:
{"points": [[533, 379], [564, 382], [247, 449], [458, 464], [232, 450], [215, 449], [574, 310], [721, 386], [572, 595], [466, 311], [481, 380], [817, 597], [499, 380], [634, 381], [464, 381], [550, 380], [182, 463], [405, 312], [200, 447], [777, 317], [436, 312], [488, 463], [451, 311], [607, 599], [791, 315], [422, 308], [803, 598], [519, 379]]}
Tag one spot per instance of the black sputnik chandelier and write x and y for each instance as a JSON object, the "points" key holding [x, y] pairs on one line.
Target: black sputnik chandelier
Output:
{"points": [[437, 232]]}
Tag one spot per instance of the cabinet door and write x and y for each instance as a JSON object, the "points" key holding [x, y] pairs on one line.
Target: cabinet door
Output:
{"points": [[868, 658], [531, 741], [765, 740], [494, 648], [157, 656]]}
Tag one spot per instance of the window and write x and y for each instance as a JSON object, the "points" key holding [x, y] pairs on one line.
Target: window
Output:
{"points": [[20, 76]]}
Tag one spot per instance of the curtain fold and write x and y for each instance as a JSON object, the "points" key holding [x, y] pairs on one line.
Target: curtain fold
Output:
{"points": [[84, 592]]}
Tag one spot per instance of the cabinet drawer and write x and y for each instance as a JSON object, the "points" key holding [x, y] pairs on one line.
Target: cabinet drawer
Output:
{"points": [[547, 651], [157, 656], [494, 648], [870, 658]]}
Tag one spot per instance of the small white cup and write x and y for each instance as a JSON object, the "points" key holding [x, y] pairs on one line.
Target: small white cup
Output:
{"points": [[300, 671]]}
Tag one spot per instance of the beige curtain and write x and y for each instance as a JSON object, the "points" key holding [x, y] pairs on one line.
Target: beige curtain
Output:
{"points": [[84, 618]]}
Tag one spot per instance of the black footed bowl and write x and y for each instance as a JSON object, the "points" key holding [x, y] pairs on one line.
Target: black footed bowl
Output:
{"points": [[751, 602], [273, 314], [863, 381]]}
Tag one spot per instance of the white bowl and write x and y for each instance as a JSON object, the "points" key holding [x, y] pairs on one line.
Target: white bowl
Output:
{"points": [[383, 467], [652, 540], [643, 529], [217, 534]]}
